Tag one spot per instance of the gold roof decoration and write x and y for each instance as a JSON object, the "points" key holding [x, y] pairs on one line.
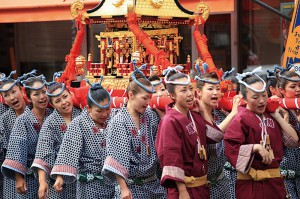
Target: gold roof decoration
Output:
{"points": [[162, 9], [165, 9]]}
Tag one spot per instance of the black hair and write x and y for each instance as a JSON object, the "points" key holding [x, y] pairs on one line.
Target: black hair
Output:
{"points": [[30, 83], [134, 87], [211, 75], [172, 77], [98, 95], [248, 80], [271, 82], [282, 82], [156, 78], [9, 81], [53, 88]]}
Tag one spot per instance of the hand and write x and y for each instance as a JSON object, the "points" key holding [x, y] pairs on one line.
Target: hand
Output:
{"points": [[184, 195], [280, 112], [21, 187], [274, 97], [58, 184], [126, 194], [159, 112], [43, 190], [267, 159], [297, 111], [235, 103], [197, 107]]}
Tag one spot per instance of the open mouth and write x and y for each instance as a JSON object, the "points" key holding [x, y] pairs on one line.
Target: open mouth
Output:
{"points": [[65, 107], [15, 103], [214, 99], [261, 107], [42, 102]]}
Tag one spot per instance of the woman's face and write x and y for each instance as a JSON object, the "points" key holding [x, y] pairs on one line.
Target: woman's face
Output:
{"points": [[140, 100], [160, 89], [275, 91], [292, 89], [210, 94], [183, 94], [38, 98], [62, 103], [256, 102], [14, 97], [99, 115]]}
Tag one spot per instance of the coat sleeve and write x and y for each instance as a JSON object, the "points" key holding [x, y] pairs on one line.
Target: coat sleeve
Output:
{"points": [[169, 144], [2, 141], [238, 152], [67, 161], [213, 134], [45, 152], [16, 157], [118, 150]]}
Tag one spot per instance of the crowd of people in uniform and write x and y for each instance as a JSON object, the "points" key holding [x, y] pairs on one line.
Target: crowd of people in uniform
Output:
{"points": [[190, 150]]}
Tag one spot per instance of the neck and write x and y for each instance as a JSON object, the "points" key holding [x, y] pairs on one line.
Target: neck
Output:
{"points": [[132, 110], [208, 108], [39, 112], [21, 110], [99, 125], [182, 110], [67, 117]]}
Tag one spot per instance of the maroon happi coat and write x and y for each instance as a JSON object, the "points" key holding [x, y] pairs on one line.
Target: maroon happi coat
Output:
{"points": [[242, 133], [176, 146]]}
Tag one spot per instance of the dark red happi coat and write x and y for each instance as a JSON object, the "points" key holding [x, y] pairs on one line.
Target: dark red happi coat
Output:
{"points": [[176, 145], [244, 131]]}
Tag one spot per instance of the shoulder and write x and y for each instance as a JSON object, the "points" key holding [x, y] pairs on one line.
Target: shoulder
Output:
{"points": [[76, 111], [7, 113], [25, 115], [119, 117]]}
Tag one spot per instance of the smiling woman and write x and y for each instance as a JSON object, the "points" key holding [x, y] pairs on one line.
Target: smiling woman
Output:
{"points": [[23, 139], [50, 139]]}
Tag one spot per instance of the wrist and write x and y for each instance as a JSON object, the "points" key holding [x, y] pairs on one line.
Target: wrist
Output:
{"points": [[256, 148], [181, 187], [19, 176], [42, 181]]}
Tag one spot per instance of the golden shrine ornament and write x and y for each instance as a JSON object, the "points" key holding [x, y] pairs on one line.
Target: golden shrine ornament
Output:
{"points": [[75, 7], [79, 65], [203, 9], [117, 3], [157, 3]]}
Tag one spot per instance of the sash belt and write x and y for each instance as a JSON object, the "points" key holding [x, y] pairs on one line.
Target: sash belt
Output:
{"points": [[195, 181], [259, 175]]}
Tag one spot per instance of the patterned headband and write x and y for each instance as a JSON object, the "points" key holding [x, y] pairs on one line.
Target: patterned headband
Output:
{"points": [[227, 73], [270, 75], [138, 71], [282, 70], [157, 83], [18, 80], [96, 86], [280, 75], [49, 84], [241, 77], [205, 67], [2, 76], [176, 69], [41, 78]]}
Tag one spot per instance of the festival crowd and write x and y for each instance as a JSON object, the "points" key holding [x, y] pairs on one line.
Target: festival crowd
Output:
{"points": [[190, 149]]}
